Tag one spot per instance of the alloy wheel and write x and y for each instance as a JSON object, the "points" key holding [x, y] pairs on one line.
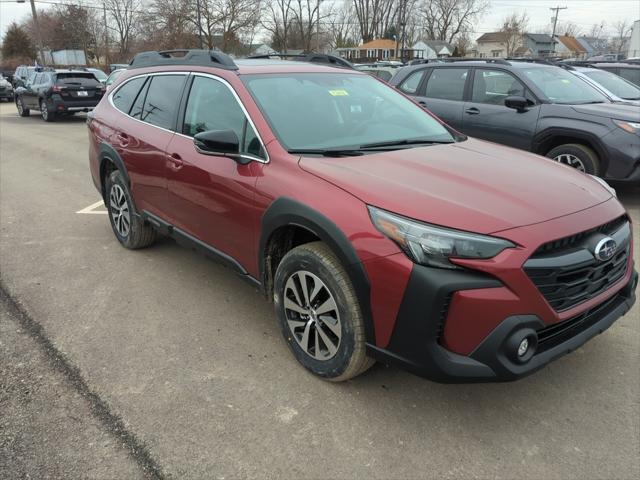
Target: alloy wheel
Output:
{"points": [[312, 315], [571, 160], [119, 210], [44, 111]]}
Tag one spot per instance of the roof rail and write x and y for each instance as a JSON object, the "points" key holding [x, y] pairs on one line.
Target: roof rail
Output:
{"points": [[310, 57], [422, 61], [499, 61], [542, 61], [204, 58]]}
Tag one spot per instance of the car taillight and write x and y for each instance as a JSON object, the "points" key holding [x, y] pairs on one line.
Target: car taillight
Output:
{"points": [[57, 88]]}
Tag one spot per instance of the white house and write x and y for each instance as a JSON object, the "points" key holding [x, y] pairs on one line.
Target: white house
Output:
{"points": [[261, 49], [432, 49]]}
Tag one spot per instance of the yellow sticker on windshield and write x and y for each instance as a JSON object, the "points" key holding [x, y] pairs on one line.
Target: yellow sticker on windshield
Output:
{"points": [[564, 80], [338, 93]]}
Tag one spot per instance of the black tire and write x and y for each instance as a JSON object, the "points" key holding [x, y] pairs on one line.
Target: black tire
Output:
{"points": [[23, 111], [47, 116], [584, 158], [349, 359], [138, 234]]}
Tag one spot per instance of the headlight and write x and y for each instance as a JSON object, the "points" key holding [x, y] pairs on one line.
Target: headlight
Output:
{"points": [[434, 246], [605, 185], [631, 127]]}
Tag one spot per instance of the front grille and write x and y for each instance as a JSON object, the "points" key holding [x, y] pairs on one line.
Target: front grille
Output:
{"points": [[567, 274], [549, 337]]}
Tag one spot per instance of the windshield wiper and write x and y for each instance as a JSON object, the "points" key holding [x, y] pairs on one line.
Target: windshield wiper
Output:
{"points": [[327, 152], [400, 143]]}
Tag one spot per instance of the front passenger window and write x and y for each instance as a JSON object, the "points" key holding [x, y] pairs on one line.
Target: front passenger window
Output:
{"points": [[493, 86], [212, 106]]}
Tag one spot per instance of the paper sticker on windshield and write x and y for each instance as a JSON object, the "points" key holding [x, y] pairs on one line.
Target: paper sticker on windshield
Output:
{"points": [[565, 80], [338, 93]]}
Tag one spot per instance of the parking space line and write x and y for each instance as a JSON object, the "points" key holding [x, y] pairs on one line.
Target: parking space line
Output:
{"points": [[91, 209]]}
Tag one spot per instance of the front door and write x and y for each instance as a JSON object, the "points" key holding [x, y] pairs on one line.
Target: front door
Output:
{"points": [[486, 116], [210, 195]]}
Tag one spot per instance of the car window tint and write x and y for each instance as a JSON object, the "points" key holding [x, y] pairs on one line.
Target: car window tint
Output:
{"points": [[212, 106], [123, 97], [631, 74], [493, 86], [138, 104], [77, 79], [162, 101], [410, 85], [447, 83]]}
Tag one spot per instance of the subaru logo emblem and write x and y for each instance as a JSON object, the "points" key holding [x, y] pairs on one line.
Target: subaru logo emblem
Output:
{"points": [[605, 249]]}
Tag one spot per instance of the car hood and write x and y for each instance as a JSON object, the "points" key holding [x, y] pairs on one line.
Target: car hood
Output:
{"points": [[618, 111], [471, 185]]}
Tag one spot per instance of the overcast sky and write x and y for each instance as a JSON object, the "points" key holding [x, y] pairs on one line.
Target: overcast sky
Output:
{"points": [[584, 13]]}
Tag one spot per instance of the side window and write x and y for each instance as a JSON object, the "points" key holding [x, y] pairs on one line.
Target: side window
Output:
{"points": [[162, 100], [493, 86], [36, 79], [631, 74], [447, 83], [124, 97], [212, 106], [412, 82], [138, 104]]}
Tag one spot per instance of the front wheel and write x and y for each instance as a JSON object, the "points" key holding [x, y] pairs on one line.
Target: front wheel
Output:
{"points": [[23, 111], [578, 156], [319, 313]]}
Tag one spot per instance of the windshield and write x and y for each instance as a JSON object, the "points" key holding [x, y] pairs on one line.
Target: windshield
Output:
{"points": [[112, 77], [340, 111], [615, 84], [561, 86]]}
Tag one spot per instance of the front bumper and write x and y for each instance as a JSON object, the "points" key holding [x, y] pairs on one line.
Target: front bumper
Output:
{"points": [[416, 341]]}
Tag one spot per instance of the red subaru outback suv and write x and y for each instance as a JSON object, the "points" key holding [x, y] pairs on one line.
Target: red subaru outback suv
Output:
{"points": [[378, 232]]}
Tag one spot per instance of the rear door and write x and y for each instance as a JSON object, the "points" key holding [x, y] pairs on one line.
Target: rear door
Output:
{"points": [[443, 93], [485, 115], [150, 104]]}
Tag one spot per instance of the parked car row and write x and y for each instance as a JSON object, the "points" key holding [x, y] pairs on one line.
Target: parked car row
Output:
{"points": [[536, 107], [378, 231]]}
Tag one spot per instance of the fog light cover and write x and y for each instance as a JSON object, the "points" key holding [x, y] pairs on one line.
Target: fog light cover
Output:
{"points": [[523, 347]]}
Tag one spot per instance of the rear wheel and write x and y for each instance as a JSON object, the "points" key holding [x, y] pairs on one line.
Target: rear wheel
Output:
{"points": [[578, 156], [23, 111], [319, 313], [130, 230], [47, 116]]}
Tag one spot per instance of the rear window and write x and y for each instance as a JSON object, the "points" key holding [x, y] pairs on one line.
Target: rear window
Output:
{"points": [[79, 79]]}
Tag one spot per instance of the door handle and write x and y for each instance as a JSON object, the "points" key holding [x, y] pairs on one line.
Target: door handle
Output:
{"points": [[472, 111], [175, 161], [423, 103], [123, 138]]}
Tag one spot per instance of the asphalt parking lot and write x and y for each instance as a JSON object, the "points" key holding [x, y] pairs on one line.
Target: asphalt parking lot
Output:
{"points": [[160, 363]]}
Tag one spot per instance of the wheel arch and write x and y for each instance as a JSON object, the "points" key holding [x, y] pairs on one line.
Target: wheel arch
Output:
{"points": [[108, 155], [548, 139], [285, 215]]}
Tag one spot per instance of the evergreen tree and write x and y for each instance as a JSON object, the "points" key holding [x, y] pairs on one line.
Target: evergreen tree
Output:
{"points": [[17, 44]]}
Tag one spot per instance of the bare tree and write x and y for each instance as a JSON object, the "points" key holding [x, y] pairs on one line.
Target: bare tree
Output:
{"points": [[513, 27], [622, 30], [278, 22], [446, 19], [342, 26], [569, 29], [376, 17], [169, 24], [124, 16]]}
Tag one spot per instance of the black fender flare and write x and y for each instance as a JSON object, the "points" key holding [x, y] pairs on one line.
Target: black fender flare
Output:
{"points": [[548, 133], [284, 212], [108, 153]]}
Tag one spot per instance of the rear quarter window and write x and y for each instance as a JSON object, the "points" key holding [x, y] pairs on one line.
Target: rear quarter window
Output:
{"points": [[631, 74], [124, 96]]}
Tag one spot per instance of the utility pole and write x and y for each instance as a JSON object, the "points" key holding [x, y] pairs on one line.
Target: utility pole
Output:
{"points": [[199, 23], [318, 32], [37, 28], [404, 30], [555, 22], [106, 37]]}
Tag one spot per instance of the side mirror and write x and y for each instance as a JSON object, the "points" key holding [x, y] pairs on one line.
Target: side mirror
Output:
{"points": [[519, 104], [217, 142]]}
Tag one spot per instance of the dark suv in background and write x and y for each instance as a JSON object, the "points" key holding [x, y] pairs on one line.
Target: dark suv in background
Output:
{"points": [[59, 92], [537, 107]]}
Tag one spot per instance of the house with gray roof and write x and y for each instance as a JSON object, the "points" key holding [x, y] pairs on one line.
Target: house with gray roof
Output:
{"points": [[540, 44]]}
